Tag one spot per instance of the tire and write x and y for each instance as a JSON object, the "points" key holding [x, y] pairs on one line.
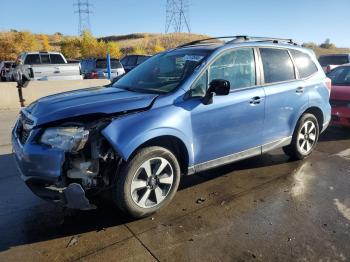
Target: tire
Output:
{"points": [[304, 138], [139, 190]]}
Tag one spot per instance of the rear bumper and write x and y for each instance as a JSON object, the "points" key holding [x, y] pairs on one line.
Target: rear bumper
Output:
{"points": [[341, 116]]}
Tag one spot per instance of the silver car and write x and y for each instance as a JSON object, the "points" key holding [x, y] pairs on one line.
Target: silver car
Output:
{"points": [[101, 71]]}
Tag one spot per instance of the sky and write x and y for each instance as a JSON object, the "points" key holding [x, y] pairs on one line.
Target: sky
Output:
{"points": [[302, 20]]}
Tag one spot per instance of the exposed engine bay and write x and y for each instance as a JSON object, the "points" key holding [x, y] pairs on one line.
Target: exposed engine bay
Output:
{"points": [[89, 171]]}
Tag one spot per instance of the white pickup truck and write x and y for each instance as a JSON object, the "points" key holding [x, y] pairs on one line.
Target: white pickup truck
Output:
{"points": [[50, 66]]}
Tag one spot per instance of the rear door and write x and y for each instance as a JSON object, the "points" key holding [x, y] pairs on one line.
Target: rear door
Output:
{"points": [[285, 96], [233, 123]]}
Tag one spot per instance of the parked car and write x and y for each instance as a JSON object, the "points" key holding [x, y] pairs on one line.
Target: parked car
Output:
{"points": [[99, 70], [129, 62], [5, 69], [329, 62], [50, 66], [340, 95], [87, 66], [186, 110]]}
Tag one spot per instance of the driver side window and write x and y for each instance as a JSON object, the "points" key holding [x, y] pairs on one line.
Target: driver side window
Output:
{"points": [[236, 66]]}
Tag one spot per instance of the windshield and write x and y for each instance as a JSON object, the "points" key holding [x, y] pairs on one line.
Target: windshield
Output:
{"points": [[162, 73], [333, 60], [340, 76]]}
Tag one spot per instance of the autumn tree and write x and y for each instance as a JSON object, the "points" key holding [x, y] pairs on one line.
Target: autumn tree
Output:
{"points": [[45, 45], [26, 41], [70, 47], [89, 45], [114, 50]]}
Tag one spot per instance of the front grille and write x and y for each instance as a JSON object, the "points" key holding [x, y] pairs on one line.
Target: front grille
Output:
{"points": [[24, 127], [338, 103]]}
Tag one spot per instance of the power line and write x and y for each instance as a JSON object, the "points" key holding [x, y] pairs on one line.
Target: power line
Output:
{"points": [[83, 9], [177, 15]]}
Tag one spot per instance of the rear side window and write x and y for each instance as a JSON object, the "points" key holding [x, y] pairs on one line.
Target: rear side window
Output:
{"points": [[124, 61], [115, 64], [33, 59], [277, 64], [56, 59], [45, 59], [141, 59], [132, 60], [306, 67]]}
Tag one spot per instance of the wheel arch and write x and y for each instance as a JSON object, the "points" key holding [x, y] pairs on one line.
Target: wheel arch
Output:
{"points": [[173, 144], [169, 138]]}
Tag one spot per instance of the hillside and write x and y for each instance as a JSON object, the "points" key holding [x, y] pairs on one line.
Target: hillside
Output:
{"points": [[14, 42], [148, 42]]}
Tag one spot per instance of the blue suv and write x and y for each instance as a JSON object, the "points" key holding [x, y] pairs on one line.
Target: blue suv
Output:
{"points": [[198, 106]]}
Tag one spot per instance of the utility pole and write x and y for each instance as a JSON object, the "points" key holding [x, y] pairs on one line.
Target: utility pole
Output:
{"points": [[177, 16], [83, 9]]}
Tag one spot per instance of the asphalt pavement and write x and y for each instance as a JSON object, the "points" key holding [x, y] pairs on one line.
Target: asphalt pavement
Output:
{"points": [[266, 208]]}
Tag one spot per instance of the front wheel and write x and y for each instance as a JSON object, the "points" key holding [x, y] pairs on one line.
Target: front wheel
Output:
{"points": [[147, 182], [304, 138]]}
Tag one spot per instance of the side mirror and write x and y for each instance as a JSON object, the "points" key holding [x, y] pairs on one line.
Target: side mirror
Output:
{"points": [[218, 86]]}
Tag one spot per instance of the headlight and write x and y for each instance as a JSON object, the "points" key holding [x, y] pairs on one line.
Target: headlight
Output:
{"points": [[69, 139]]}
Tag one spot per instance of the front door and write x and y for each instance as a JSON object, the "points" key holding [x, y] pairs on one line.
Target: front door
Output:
{"points": [[231, 126]]}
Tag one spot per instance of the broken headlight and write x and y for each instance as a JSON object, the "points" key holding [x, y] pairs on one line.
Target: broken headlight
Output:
{"points": [[69, 139]]}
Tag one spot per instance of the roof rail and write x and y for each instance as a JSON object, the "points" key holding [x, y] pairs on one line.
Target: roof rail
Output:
{"points": [[240, 39]]}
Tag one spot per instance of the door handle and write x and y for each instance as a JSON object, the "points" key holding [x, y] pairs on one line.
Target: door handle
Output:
{"points": [[300, 89], [255, 100]]}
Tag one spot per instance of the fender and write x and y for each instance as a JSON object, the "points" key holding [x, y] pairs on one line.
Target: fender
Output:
{"points": [[126, 134]]}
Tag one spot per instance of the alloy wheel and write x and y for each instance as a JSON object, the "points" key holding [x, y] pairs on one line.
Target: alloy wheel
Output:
{"points": [[152, 182], [307, 137]]}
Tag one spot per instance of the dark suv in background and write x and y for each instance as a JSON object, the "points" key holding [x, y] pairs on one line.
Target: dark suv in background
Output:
{"points": [[129, 62]]}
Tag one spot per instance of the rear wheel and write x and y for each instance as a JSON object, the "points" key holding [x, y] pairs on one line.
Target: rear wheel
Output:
{"points": [[304, 138], [147, 182]]}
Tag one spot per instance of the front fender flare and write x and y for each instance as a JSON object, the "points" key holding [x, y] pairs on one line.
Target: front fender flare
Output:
{"points": [[125, 146]]}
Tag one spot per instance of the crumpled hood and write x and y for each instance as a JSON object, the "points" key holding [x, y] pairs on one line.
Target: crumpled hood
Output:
{"points": [[96, 100]]}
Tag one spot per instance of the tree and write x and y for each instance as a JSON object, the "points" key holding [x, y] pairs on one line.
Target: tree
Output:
{"points": [[26, 41], [114, 50], [327, 44], [45, 43], [70, 47], [89, 45], [310, 45]]}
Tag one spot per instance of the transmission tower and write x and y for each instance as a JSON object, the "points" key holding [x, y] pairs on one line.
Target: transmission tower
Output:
{"points": [[177, 15], [83, 9]]}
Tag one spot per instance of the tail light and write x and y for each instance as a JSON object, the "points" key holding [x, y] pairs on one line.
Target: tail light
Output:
{"points": [[328, 83], [94, 75]]}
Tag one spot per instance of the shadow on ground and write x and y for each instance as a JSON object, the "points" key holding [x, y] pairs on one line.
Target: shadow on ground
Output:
{"points": [[25, 219]]}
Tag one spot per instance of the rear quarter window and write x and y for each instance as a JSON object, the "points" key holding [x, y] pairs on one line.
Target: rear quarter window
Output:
{"points": [[306, 67], [277, 64], [56, 59], [32, 59]]}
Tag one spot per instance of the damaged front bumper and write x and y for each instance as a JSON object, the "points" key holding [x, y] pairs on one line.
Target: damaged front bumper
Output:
{"points": [[41, 169]]}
